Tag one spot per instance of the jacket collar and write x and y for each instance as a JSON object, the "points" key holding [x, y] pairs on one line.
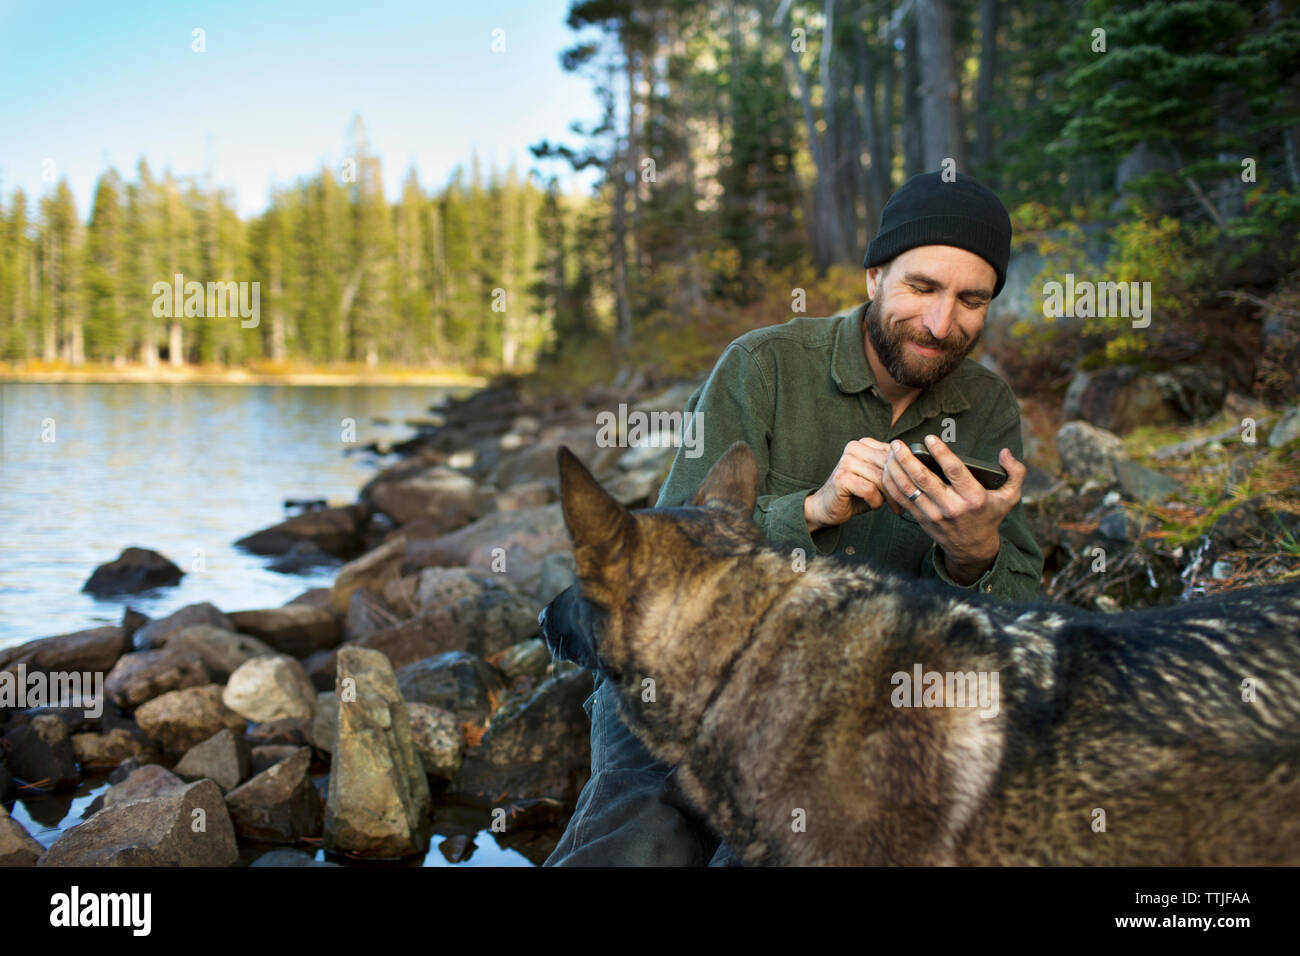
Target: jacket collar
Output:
{"points": [[852, 372]]}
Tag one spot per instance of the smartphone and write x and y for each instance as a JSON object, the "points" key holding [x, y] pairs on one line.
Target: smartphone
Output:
{"points": [[989, 474]]}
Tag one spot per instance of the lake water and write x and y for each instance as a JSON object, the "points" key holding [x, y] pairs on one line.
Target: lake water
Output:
{"points": [[89, 469]]}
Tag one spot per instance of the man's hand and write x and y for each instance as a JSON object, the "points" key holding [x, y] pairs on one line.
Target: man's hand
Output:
{"points": [[962, 516], [856, 485]]}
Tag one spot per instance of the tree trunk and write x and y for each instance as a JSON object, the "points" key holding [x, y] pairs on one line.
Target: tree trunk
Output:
{"points": [[941, 126], [984, 88]]}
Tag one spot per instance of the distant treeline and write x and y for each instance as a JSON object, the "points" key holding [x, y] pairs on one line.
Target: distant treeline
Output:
{"points": [[459, 278]]}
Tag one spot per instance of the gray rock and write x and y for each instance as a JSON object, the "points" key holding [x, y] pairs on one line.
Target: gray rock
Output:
{"points": [[17, 848], [379, 800], [164, 831], [290, 731], [223, 758], [438, 739], [95, 649], [132, 571], [439, 587], [529, 494], [538, 747], [296, 629], [179, 719], [280, 804], [1144, 484], [144, 783], [1287, 428], [456, 681], [157, 633], [372, 570], [519, 538], [1087, 451], [220, 650], [1114, 525], [268, 755], [268, 688], [367, 614], [481, 625], [143, 675], [40, 752], [336, 531], [412, 491]]}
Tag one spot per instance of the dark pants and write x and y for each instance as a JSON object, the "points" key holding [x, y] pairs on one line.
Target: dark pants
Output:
{"points": [[626, 814]]}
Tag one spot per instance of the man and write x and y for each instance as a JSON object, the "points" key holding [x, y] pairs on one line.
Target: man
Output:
{"points": [[829, 407]]}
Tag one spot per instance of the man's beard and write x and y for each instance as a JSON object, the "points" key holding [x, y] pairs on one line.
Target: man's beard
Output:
{"points": [[908, 369]]}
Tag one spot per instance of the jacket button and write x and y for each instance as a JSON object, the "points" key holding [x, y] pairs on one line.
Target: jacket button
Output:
{"points": [[850, 550]]}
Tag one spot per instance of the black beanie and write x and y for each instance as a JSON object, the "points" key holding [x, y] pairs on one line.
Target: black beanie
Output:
{"points": [[926, 211]]}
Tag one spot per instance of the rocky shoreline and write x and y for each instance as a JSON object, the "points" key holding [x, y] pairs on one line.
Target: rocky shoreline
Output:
{"points": [[414, 695], [416, 688]]}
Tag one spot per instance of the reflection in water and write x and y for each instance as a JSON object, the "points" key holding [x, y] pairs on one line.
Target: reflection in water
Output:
{"points": [[182, 469]]}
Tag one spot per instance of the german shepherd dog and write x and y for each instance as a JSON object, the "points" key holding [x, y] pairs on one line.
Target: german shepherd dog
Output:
{"points": [[827, 716]]}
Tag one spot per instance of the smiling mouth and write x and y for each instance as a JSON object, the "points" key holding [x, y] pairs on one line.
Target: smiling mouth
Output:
{"points": [[925, 349]]}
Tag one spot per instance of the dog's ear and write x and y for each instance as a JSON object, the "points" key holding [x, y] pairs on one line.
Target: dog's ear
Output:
{"points": [[594, 517], [733, 478]]}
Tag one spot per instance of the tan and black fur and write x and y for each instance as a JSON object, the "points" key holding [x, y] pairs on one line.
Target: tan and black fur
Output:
{"points": [[772, 698]]}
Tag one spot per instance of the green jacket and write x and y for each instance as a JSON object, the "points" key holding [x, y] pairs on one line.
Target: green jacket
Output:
{"points": [[797, 393]]}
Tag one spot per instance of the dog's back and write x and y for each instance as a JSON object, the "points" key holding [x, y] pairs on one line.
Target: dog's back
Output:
{"points": [[837, 714]]}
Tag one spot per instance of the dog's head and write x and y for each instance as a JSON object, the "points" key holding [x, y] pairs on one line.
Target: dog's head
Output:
{"points": [[649, 577]]}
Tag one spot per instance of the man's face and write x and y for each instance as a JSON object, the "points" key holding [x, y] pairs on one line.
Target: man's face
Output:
{"points": [[927, 311]]}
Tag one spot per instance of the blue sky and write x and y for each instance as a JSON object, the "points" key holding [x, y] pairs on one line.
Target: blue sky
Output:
{"points": [[89, 85]]}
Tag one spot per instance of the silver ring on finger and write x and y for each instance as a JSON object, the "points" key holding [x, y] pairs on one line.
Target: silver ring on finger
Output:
{"points": [[914, 495]]}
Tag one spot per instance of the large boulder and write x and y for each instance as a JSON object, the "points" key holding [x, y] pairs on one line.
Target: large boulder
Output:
{"points": [[95, 649], [134, 570], [412, 491], [507, 543], [143, 783], [280, 804], [221, 651], [179, 719], [372, 570], [162, 831], [510, 543], [40, 752], [336, 531], [143, 675], [535, 461], [439, 587], [223, 758], [1087, 451], [295, 629], [269, 688], [17, 848], [157, 633], [535, 747], [378, 802], [456, 681], [480, 624]]}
